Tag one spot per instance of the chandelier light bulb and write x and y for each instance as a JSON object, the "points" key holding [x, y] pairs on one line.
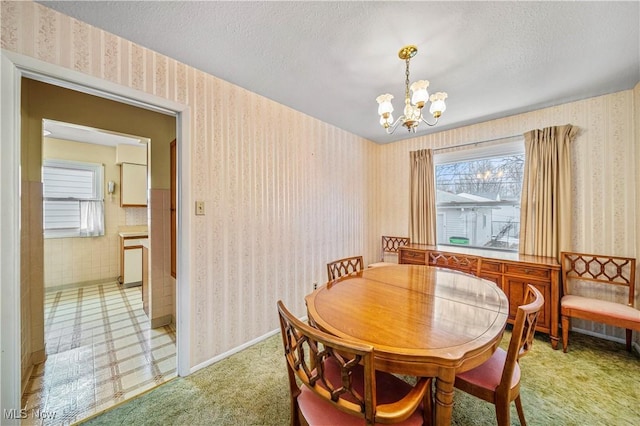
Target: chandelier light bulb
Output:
{"points": [[384, 104], [420, 93], [437, 104]]}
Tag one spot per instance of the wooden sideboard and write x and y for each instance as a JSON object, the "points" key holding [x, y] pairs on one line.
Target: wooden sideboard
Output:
{"points": [[511, 271]]}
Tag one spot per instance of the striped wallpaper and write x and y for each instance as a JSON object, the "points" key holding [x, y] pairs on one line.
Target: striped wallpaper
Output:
{"points": [[285, 193]]}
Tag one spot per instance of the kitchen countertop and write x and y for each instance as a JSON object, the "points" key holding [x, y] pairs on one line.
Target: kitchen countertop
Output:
{"points": [[133, 231]]}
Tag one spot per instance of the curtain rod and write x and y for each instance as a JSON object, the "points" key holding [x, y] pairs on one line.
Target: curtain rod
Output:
{"points": [[475, 143]]}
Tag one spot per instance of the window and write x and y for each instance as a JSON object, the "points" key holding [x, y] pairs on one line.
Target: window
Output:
{"points": [[478, 196], [73, 204]]}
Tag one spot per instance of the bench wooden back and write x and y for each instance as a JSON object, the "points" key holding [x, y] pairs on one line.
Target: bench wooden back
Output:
{"points": [[392, 244], [598, 268]]}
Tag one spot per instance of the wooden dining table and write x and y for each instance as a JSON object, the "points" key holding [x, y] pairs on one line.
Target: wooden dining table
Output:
{"points": [[421, 320]]}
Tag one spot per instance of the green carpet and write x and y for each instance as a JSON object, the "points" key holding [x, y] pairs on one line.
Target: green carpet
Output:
{"points": [[596, 383]]}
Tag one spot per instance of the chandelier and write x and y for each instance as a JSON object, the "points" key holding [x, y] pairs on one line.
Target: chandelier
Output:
{"points": [[413, 105]]}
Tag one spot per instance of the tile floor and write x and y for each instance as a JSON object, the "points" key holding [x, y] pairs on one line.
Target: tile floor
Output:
{"points": [[100, 351]]}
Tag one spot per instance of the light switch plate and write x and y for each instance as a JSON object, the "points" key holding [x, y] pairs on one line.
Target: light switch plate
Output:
{"points": [[199, 208]]}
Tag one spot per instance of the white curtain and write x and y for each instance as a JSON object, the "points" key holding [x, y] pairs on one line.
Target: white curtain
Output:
{"points": [[91, 218]]}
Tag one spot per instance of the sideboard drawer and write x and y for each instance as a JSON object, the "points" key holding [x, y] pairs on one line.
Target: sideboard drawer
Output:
{"points": [[532, 271], [490, 266], [414, 257]]}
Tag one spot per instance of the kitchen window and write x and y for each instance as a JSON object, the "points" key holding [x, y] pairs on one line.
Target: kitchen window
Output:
{"points": [[73, 199], [478, 194]]}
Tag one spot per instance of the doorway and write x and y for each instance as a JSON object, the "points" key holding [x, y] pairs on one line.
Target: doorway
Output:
{"points": [[14, 68], [98, 336]]}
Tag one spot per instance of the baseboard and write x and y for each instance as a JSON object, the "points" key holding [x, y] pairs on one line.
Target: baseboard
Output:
{"points": [[634, 344], [26, 374], [36, 357], [161, 321], [54, 288], [232, 351]]}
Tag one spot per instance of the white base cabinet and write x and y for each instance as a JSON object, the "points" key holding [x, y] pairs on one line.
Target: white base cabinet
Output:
{"points": [[131, 261]]}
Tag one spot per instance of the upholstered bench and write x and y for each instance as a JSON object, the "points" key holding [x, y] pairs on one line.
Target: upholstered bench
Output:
{"points": [[390, 245], [605, 270]]}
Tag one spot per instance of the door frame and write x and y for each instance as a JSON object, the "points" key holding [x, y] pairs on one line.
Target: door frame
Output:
{"points": [[13, 68]]}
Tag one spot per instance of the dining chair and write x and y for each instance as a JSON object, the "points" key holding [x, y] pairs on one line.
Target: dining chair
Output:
{"points": [[339, 383], [390, 245], [498, 380], [345, 266]]}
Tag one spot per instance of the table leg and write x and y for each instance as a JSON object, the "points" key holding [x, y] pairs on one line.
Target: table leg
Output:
{"points": [[444, 396]]}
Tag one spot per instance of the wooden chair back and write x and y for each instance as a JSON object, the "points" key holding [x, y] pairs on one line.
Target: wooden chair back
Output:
{"points": [[615, 270], [460, 262], [311, 357], [522, 334], [345, 266], [392, 244]]}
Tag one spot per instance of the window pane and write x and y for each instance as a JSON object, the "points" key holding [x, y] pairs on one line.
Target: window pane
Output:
{"points": [[61, 214], [68, 183], [478, 202]]}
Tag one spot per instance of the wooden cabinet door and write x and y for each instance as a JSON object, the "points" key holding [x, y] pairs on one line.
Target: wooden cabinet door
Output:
{"points": [[515, 288], [133, 185]]}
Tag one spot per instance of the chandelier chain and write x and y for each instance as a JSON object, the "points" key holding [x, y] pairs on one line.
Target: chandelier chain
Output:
{"points": [[406, 81]]}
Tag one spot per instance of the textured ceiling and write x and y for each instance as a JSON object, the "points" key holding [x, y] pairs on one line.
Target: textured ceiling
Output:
{"points": [[331, 59]]}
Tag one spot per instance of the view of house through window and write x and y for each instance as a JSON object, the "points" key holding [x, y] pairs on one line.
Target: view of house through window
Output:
{"points": [[478, 197]]}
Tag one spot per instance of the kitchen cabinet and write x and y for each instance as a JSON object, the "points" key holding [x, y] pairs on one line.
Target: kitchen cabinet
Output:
{"points": [[131, 259], [133, 185]]}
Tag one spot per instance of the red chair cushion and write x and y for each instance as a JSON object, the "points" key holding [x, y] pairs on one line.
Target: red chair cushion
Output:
{"points": [[488, 374], [319, 411]]}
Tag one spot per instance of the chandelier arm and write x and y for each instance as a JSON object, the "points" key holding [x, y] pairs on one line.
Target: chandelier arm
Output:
{"points": [[395, 125], [427, 123]]}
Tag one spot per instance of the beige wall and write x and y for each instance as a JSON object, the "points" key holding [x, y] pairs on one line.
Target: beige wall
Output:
{"points": [[32, 276], [285, 193]]}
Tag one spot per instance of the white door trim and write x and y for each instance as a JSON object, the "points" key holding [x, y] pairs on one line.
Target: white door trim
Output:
{"points": [[13, 67]]}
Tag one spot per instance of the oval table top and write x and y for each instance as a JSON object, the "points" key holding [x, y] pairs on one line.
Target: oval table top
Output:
{"points": [[419, 319]]}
